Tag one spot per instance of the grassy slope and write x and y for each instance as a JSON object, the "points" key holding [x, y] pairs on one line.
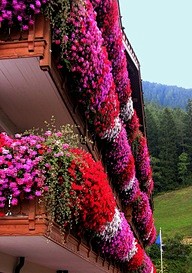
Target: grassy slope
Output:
{"points": [[173, 212]]}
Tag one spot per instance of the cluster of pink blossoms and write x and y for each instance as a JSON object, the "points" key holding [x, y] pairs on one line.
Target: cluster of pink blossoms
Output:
{"points": [[90, 65], [143, 167], [143, 219], [20, 11], [20, 175], [118, 154]]}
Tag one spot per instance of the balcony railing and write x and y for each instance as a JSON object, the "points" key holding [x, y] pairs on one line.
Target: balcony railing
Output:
{"points": [[29, 218], [36, 42]]}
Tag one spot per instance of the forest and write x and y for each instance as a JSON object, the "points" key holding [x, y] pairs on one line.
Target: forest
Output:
{"points": [[165, 95], [169, 132], [168, 114]]}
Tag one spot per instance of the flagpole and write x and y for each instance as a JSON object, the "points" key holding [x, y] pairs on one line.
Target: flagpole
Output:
{"points": [[161, 251]]}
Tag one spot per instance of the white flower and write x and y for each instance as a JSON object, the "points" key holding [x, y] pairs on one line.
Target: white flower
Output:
{"points": [[132, 252], [130, 185], [151, 270], [18, 135], [5, 151], [149, 234], [113, 132], [127, 110], [112, 227]]}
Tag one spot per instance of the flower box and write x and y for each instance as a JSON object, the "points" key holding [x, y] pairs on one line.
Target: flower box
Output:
{"points": [[29, 218]]}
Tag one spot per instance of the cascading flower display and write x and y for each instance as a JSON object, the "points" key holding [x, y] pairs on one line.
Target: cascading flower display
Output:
{"points": [[86, 53], [93, 193], [73, 185], [108, 21], [122, 245], [90, 65], [142, 162], [143, 218], [77, 186], [88, 36], [120, 163], [92, 71]]}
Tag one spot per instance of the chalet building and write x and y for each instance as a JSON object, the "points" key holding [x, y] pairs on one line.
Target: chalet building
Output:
{"points": [[75, 197]]}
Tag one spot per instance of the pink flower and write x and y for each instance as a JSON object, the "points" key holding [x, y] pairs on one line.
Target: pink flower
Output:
{"points": [[14, 201]]}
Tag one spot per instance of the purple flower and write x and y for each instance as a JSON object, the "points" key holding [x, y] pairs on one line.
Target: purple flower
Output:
{"points": [[25, 27], [38, 193]]}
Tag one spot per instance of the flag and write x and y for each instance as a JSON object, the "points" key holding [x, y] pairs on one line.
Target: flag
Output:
{"points": [[158, 240]]}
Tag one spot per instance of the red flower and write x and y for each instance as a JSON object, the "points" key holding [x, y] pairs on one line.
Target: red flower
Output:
{"points": [[137, 260], [93, 191]]}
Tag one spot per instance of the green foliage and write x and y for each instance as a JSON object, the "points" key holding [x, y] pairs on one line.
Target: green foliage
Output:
{"points": [[169, 134], [182, 165], [176, 255], [170, 144], [57, 158], [189, 263], [167, 150], [175, 249], [152, 130]]}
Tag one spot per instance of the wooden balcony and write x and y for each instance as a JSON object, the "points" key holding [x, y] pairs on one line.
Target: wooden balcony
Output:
{"points": [[33, 43], [32, 88], [28, 232]]}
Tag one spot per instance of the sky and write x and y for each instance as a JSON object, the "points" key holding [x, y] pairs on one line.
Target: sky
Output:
{"points": [[160, 32]]}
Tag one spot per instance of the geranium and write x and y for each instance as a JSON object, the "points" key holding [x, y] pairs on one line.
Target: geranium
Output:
{"points": [[147, 266], [20, 174], [20, 12], [143, 219], [120, 163], [137, 260], [122, 245], [108, 20], [90, 66], [93, 193], [142, 162]]}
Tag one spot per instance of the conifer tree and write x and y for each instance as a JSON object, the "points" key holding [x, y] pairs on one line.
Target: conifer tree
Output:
{"points": [[168, 154]]}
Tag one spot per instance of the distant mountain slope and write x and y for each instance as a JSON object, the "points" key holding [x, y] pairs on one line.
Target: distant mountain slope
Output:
{"points": [[165, 95]]}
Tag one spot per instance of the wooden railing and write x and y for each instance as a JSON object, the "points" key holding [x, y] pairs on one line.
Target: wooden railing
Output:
{"points": [[36, 42]]}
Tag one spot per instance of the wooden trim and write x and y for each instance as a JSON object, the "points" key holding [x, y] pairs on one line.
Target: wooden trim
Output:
{"points": [[34, 43], [32, 221]]}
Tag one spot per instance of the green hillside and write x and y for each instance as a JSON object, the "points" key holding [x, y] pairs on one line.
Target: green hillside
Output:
{"points": [[173, 212]]}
